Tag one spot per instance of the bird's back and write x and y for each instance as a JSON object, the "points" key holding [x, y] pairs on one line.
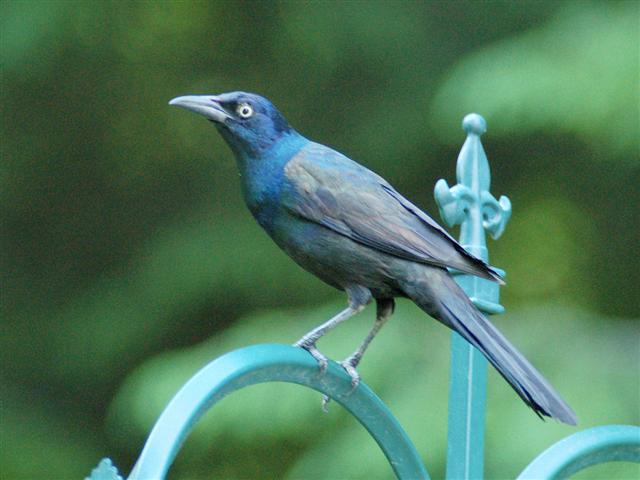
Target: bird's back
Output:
{"points": [[323, 186]]}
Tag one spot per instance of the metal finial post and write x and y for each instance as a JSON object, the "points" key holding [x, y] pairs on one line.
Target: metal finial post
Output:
{"points": [[470, 205], [104, 471]]}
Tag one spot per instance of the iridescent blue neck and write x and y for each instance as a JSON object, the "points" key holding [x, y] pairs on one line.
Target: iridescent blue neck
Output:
{"points": [[282, 145]]}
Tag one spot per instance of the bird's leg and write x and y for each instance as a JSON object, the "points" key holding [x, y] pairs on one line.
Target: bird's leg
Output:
{"points": [[359, 297], [384, 310], [308, 341]]}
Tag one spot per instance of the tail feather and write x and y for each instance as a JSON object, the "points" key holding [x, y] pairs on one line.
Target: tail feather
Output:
{"points": [[452, 307]]}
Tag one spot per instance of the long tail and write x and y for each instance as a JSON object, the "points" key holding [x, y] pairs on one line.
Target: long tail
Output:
{"points": [[441, 297]]}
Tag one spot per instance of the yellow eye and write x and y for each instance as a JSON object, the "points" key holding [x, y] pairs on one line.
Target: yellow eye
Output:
{"points": [[244, 110]]}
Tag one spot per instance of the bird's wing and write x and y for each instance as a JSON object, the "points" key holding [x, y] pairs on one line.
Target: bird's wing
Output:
{"points": [[327, 188]]}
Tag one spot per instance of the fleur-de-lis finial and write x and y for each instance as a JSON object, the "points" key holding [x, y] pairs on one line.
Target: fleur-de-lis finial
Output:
{"points": [[469, 203]]}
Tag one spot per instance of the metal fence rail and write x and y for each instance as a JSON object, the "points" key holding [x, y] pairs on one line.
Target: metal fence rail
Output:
{"points": [[272, 363], [611, 443]]}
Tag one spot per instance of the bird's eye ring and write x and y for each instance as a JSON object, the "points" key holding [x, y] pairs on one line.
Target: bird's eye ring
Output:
{"points": [[244, 110]]}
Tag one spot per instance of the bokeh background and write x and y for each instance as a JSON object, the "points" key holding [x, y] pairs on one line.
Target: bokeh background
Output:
{"points": [[129, 260]]}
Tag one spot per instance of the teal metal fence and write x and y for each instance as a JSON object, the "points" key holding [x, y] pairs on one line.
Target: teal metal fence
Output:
{"points": [[469, 204]]}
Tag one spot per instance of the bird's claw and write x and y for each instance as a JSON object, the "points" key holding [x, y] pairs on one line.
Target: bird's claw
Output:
{"points": [[323, 361], [325, 401], [349, 366]]}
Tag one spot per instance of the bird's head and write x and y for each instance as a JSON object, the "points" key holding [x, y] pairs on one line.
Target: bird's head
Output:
{"points": [[249, 123]]}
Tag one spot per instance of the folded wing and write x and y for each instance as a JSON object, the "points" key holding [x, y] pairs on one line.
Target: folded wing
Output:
{"points": [[327, 188]]}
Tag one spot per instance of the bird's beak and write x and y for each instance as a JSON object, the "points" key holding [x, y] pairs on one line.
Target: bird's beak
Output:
{"points": [[206, 105]]}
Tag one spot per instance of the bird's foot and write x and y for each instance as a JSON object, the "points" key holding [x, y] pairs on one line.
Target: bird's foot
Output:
{"points": [[325, 401], [323, 361], [349, 364]]}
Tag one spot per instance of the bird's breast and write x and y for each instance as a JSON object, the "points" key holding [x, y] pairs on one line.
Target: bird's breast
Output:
{"points": [[262, 188], [263, 178]]}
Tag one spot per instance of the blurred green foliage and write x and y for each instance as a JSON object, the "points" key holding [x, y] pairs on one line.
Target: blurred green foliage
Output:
{"points": [[129, 260]]}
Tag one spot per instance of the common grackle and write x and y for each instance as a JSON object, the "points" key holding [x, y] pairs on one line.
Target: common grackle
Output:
{"points": [[352, 229]]}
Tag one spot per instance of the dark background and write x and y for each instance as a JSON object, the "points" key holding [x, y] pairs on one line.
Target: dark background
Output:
{"points": [[129, 260]]}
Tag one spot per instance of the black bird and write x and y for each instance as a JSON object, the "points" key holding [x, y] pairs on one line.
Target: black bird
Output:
{"points": [[352, 229]]}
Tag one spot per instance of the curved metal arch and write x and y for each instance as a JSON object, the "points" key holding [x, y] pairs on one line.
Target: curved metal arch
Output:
{"points": [[272, 363], [583, 449]]}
